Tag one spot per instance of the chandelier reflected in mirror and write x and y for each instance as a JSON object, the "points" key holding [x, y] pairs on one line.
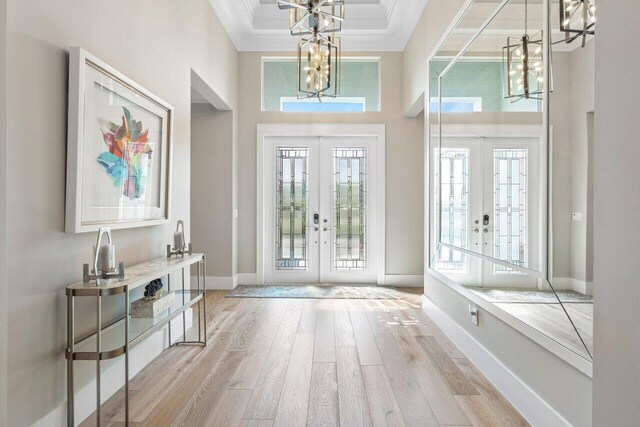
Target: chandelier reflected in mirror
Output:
{"points": [[577, 19], [315, 23], [523, 61], [524, 65]]}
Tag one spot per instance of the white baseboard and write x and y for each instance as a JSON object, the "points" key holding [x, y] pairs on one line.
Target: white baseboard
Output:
{"points": [[399, 280], [404, 280], [526, 401], [221, 283], [112, 370], [571, 284], [218, 283], [246, 279]]}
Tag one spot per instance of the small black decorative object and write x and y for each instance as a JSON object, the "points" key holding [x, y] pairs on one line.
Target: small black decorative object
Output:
{"points": [[153, 288]]}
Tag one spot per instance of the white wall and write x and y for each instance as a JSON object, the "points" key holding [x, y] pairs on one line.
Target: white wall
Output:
{"points": [[435, 19], [616, 213], [156, 43], [404, 215]]}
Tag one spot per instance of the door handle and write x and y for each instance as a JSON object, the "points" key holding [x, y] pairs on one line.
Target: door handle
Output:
{"points": [[315, 228], [326, 228], [475, 230]]}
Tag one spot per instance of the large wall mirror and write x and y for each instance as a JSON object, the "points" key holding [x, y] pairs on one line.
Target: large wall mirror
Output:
{"points": [[510, 116]]}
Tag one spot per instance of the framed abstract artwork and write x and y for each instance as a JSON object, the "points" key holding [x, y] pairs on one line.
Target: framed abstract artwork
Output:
{"points": [[118, 151]]}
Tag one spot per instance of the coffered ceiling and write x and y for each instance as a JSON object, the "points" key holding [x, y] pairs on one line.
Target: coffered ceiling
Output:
{"points": [[370, 25]]}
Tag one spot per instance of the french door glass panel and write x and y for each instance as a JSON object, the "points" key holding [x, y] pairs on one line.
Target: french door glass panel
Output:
{"points": [[320, 227], [349, 235], [292, 165]]}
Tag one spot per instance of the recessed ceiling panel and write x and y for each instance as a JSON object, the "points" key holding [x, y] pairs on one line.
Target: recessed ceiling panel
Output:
{"points": [[370, 25]]}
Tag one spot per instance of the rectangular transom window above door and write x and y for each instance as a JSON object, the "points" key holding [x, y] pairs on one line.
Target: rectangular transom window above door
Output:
{"points": [[359, 87]]}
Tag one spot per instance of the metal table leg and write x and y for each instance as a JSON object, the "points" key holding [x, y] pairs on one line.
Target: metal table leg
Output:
{"points": [[199, 303], [70, 350], [169, 290], [184, 316], [204, 296], [126, 357], [99, 350]]}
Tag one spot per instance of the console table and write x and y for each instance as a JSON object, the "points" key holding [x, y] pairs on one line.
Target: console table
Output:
{"points": [[135, 329]]}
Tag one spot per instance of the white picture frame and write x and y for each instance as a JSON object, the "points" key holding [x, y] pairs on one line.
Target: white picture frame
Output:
{"points": [[119, 150]]}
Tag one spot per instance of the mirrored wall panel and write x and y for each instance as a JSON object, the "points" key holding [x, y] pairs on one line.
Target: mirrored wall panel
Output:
{"points": [[509, 183]]}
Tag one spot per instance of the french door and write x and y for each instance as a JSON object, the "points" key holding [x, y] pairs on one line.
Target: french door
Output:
{"points": [[320, 211], [490, 206]]}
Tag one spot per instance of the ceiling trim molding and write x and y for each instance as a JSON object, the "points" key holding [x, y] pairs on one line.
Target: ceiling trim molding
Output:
{"points": [[257, 26]]}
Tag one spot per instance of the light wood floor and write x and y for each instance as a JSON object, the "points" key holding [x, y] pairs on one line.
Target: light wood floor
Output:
{"points": [[278, 362]]}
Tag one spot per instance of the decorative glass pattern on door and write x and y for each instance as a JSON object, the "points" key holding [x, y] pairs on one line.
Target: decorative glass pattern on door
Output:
{"points": [[292, 165], [510, 208], [454, 214], [350, 198]]}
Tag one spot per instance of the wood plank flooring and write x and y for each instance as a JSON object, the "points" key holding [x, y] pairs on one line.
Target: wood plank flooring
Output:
{"points": [[279, 362]]}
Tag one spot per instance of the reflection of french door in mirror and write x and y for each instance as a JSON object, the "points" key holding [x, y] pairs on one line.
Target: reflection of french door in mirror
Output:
{"points": [[490, 206], [320, 226]]}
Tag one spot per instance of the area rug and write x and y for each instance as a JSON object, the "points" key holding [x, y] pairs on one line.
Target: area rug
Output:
{"points": [[532, 297], [314, 292]]}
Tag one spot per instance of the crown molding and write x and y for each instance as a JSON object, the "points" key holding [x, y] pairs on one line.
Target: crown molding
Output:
{"points": [[382, 26]]}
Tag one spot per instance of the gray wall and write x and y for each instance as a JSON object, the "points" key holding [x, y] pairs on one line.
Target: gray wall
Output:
{"points": [[561, 165], [211, 191], [156, 43], [582, 103], [616, 212], [3, 213], [405, 195]]}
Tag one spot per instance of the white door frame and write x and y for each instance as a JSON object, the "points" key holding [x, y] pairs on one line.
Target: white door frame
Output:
{"points": [[326, 130]]}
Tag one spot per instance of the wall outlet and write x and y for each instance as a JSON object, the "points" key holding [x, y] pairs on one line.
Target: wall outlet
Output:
{"points": [[475, 314], [577, 216]]}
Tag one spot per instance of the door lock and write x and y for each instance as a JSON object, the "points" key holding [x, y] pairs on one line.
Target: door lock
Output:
{"points": [[485, 220], [316, 219]]}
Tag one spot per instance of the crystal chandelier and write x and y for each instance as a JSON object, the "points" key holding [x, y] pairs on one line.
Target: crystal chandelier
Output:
{"points": [[316, 22], [523, 61], [577, 19]]}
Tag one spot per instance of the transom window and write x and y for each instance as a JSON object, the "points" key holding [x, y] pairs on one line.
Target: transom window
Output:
{"points": [[359, 87]]}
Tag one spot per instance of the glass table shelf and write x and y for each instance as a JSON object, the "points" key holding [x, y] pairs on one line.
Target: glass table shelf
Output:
{"points": [[139, 328]]}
